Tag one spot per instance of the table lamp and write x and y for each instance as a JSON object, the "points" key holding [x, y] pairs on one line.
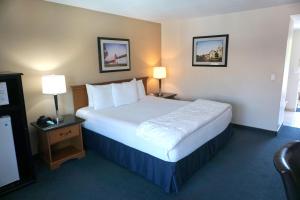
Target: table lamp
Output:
{"points": [[54, 85], [159, 73]]}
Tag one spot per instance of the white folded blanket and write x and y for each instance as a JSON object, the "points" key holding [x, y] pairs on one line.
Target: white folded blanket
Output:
{"points": [[168, 130]]}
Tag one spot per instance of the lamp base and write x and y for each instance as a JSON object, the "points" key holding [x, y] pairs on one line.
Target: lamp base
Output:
{"points": [[59, 119], [159, 92]]}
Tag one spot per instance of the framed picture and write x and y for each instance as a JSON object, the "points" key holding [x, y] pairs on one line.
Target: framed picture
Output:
{"points": [[210, 51], [114, 54]]}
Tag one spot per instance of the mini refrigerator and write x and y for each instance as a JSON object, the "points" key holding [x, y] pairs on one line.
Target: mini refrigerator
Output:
{"points": [[16, 162], [9, 171]]}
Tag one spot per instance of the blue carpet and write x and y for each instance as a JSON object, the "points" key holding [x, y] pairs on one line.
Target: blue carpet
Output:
{"points": [[242, 170]]}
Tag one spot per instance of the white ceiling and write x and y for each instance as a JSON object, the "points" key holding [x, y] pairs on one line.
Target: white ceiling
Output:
{"points": [[161, 10]]}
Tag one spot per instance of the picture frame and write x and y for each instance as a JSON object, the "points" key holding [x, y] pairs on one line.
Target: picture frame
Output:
{"points": [[210, 51], [113, 54]]}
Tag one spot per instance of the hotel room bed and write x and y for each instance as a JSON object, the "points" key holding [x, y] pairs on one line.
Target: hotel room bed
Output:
{"points": [[108, 122], [112, 132]]}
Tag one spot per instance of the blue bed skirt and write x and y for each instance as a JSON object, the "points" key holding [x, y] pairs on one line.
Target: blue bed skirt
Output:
{"points": [[170, 176]]}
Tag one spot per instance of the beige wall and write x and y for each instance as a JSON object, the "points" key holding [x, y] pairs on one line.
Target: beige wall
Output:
{"points": [[257, 48], [38, 37]]}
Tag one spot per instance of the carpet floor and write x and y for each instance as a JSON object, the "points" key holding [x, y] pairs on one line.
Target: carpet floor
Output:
{"points": [[242, 170]]}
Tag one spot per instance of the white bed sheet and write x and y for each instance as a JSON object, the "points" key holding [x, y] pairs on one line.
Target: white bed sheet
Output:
{"points": [[120, 124]]}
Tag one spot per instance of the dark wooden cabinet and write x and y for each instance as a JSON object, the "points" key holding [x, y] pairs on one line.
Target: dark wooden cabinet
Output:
{"points": [[15, 111]]}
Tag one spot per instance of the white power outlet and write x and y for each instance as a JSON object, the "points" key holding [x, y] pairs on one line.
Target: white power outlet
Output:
{"points": [[273, 77]]}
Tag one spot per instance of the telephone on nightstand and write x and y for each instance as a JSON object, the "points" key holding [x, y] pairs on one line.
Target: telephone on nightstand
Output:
{"points": [[44, 121]]}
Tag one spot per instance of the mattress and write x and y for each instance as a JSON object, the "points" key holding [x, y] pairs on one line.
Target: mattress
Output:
{"points": [[120, 124]]}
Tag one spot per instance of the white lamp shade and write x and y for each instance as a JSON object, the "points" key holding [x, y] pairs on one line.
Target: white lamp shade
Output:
{"points": [[159, 72], [54, 84]]}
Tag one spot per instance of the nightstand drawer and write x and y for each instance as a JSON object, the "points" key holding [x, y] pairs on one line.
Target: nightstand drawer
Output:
{"points": [[63, 133]]}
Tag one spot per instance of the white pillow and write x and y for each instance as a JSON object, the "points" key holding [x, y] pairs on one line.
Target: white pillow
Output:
{"points": [[102, 96], [90, 95], [124, 93], [141, 89]]}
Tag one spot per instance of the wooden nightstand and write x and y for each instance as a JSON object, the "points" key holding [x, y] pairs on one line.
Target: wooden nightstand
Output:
{"points": [[62, 142], [166, 95]]}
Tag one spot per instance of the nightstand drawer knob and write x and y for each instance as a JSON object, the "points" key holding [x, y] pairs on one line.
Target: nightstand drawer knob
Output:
{"points": [[65, 134]]}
